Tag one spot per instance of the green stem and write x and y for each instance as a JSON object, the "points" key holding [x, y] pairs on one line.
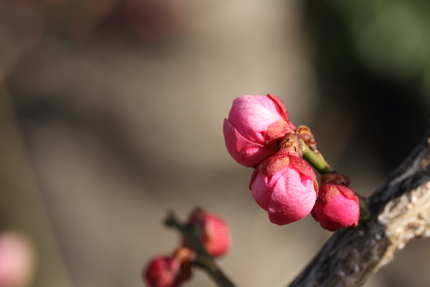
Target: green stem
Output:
{"points": [[315, 159], [203, 260]]}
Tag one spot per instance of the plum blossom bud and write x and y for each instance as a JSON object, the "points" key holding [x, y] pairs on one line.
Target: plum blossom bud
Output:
{"points": [[254, 128], [214, 232], [162, 272], [16, 260], [337, 206], [168, 271], [285, 186]]}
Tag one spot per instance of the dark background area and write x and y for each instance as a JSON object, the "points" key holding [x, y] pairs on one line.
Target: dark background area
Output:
{"points": [[389, 107]]}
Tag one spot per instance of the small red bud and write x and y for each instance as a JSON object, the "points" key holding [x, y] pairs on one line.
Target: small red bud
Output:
{"points": [[337, 205], [167, 271], [213, 231]]}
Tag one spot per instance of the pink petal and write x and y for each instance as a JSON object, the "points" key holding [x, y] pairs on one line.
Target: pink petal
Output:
{"points": [[342, 209], [293, 197], [251, 116], [281, 107], [260, 190], [242, 150], [338, 210], [216, 238]]}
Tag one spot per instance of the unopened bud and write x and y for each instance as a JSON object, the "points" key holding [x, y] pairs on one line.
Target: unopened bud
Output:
{"points": [[212, 230], [167, 271], [285, 186], [337, 205], [254, 128]]}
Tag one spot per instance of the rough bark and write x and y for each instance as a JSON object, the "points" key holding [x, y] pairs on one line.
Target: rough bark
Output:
{"points": [[400, 212]]}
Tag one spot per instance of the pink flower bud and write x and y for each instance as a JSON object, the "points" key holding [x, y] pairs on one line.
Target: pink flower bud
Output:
{"points": [[336, 206], [166, 271], [285, 186], [16, 260], [254, 128], [214, 232]]}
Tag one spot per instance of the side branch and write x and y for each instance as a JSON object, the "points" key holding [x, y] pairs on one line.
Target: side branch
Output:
{"points": [[400, 212]]}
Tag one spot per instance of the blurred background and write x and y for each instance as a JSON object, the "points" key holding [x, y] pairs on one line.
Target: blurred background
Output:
{"points": [[112, 110]]}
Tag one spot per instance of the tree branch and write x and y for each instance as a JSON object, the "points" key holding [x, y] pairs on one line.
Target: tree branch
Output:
{"points": [[400, 209]]}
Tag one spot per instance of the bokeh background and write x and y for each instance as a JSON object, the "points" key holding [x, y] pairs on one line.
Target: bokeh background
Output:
{"points": [[112, 111]]}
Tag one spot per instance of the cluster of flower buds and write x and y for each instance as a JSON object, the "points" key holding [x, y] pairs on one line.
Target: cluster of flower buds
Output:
{"points": [[259, 134], [172, 270]]}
